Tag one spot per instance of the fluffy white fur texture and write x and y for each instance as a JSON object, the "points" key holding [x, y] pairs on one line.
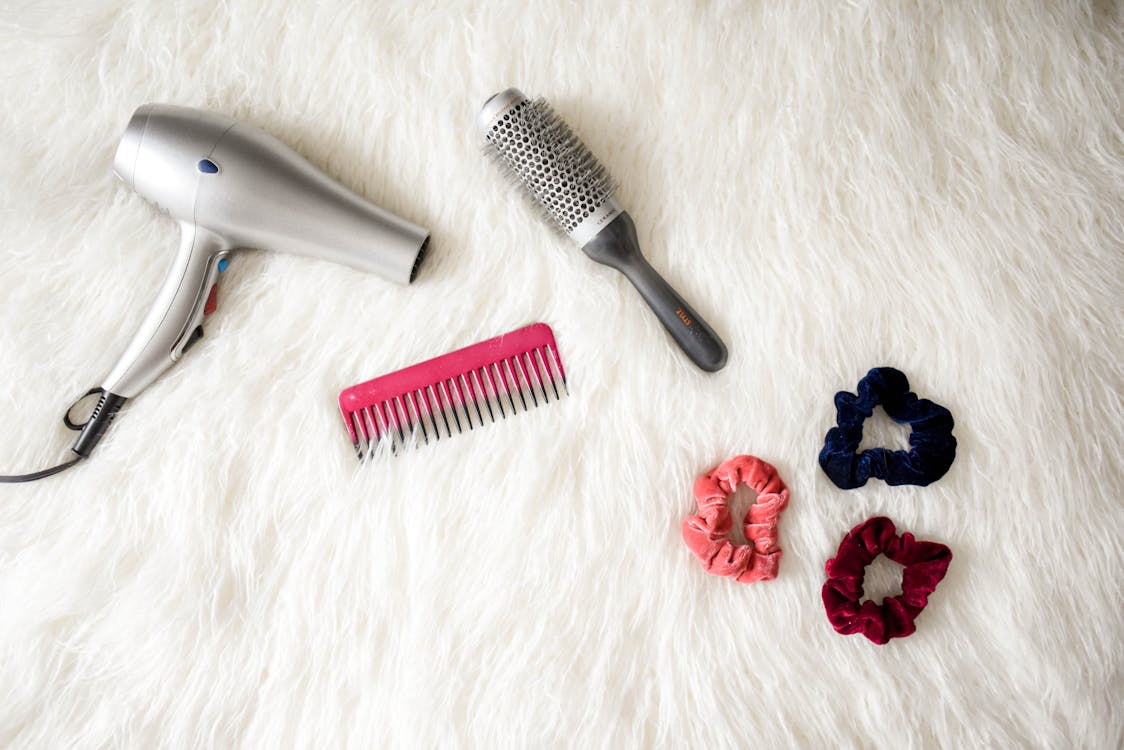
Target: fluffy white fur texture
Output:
{"points": [[835, 185]]}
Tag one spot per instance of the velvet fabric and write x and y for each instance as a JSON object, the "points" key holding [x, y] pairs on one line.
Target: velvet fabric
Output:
{"points": [[932, 445], [707, 532], [925, 565]]}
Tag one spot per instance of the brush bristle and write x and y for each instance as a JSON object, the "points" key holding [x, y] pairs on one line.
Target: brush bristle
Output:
{"points": [[539, 152]]}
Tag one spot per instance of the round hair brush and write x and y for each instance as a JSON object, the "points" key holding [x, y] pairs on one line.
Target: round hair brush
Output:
{"points": [[576, 193]]}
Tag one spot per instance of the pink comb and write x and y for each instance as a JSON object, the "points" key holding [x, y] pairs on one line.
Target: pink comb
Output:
{"points": [[519, 366]]}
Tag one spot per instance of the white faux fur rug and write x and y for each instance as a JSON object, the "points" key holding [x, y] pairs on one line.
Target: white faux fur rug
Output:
{"points": [[835, 186]]}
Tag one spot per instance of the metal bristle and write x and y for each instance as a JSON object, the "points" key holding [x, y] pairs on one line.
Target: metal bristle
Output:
{"points": [[538, 151]]}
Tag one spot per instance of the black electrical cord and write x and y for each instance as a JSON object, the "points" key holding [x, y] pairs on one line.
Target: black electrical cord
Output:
{"points": [[39, 474], [92, 430]]}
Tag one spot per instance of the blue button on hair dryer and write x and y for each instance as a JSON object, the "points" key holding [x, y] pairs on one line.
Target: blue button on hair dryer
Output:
{"points": [[229, 185]]}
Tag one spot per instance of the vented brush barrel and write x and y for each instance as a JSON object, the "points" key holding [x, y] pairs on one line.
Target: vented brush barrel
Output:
{"points": [[570, 185], [575, 193]]}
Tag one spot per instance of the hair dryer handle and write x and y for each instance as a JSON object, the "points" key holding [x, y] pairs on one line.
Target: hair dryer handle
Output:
{"points": [[174, 322]]}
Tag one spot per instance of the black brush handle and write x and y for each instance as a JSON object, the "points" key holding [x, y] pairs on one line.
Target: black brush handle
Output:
{"points": [[616, 246]]}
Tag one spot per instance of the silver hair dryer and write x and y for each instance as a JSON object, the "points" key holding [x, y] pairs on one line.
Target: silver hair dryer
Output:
{"points": [[230, 185]]}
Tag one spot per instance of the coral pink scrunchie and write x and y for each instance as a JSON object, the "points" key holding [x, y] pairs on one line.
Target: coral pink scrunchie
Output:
{"points": [[925, 565], [707, 532]]}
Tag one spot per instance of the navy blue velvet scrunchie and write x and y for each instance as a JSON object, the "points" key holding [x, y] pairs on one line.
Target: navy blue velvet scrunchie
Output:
{"points": [[932, 446]]}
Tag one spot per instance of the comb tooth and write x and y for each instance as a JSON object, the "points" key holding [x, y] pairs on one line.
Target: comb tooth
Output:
{"points": [[550, 374], [506, 387], [429, 413], [417, 410], [360, 434], [413, 416], [544, 354], [395, 427], [376, 437], [515, 382], [462, 402], [453, 409], [558, 366], [378, 433], [415, 420], [473, 396], [384, 422], [391, 421], [440, 410], [399, 409], [470, 399], [530, 375], [356, 419], [361, 420], [527, 380], [495, 391], [475, 399], [357, 423], [484, 393], [412, 424], [538, 376]]}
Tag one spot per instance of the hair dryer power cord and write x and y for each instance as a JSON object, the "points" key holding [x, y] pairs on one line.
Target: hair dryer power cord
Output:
{"points": [[39, 474], [91, 432]]}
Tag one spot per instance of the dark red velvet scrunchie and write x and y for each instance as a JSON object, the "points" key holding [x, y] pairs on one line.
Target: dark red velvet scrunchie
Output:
{"points": [[925, 565]]}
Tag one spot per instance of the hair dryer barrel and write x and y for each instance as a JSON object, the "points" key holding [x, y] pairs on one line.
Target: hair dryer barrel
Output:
{"points": [[279, 201], [250, 189]]}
